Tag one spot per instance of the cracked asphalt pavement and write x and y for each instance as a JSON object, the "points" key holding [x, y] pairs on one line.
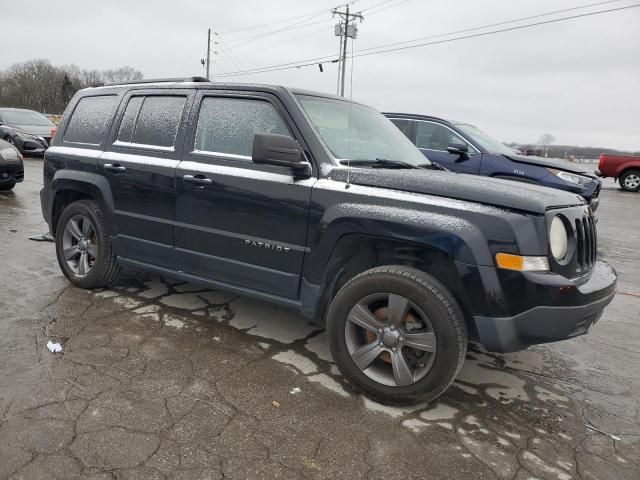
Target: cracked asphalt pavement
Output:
{"points": [[159, 379]]}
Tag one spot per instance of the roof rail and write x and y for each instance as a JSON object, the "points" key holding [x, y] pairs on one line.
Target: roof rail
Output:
{"points": [[160, 80]]}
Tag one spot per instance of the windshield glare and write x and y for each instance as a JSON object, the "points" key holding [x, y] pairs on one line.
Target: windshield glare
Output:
{"points": [[355, 132], [490, 144], [28, 117]]}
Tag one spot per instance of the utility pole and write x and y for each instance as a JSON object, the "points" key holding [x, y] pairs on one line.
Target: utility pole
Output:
{"points": [[208, 52], [345, 29]]}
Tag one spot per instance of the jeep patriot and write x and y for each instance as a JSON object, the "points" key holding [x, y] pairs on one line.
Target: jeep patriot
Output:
{"points": [[322, 205]]}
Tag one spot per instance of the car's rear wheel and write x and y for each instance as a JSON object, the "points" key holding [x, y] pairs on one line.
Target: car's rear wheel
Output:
{"points": [[630, 181], [7, 186], [85, 254], [397, 334]]}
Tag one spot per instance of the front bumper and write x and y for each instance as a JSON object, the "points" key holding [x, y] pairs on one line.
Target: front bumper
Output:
{"points": [[564, 308], [11, 173]]}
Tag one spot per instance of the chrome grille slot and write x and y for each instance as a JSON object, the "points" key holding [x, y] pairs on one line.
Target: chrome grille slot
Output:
{"points": [[594, 242], [586, 242]]}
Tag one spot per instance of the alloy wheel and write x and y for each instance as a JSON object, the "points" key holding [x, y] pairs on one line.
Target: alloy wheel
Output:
{"points": [[632, 181], [80, 245], [390, 339]]}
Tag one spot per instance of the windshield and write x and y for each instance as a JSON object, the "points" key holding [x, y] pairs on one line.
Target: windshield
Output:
{"points": [[490, 144], [355, 132], [25, 117]]}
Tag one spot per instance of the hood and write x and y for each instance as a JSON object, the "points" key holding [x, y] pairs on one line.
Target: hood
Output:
{"points": [[473, 188], [37, 130], [557, 164]]}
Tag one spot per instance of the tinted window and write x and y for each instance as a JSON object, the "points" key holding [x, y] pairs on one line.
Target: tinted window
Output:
{"points": [[434, 136], [404, 126], [227, 125], [125, 134], [90, 119], [153, 122]]}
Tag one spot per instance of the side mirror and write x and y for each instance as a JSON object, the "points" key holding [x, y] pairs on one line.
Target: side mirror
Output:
{"points": [[458, 148], [281, 150]]}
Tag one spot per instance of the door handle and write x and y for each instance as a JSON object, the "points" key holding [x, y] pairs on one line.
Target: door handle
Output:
{"points": [[197, 179], [114, 167]]}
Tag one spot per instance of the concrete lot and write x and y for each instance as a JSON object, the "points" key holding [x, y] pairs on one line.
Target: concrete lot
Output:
{"points": [[165, 380]]}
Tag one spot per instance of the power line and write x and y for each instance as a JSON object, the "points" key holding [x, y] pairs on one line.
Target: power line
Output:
{"points": [[267, 47], [504, 22], [367, 52], [376, 5], [252, 38], [262, 25], [387, 7], [509, 29]]}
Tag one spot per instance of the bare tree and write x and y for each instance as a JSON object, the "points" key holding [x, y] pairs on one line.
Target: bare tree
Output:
{"points": [[546, 140], [38, 85]]}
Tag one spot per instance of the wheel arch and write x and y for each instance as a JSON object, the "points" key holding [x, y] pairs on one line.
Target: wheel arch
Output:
{"points": [[356, 253], [628, 168], [68, 188]]}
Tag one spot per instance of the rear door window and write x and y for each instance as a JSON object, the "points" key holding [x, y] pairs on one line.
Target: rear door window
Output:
{"points": [[151, 120], [90, 120], [228, 125]]}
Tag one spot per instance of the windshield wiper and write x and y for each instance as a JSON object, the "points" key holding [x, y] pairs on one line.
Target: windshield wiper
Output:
{"points": [[434, 166], [380, 163]]}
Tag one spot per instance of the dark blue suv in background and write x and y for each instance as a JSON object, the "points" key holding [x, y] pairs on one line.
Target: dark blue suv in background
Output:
{"points": [[461, 147]]}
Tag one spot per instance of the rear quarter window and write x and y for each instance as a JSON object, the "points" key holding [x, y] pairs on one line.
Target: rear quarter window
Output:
{"points": [[90, 119]]}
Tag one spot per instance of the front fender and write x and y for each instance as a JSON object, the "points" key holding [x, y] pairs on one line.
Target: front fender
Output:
{"points": [[626, 166], [466, 232], [456, 237]]}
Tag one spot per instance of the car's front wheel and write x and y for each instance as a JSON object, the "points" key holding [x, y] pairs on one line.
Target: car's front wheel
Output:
{"points": [[397, 334], [85, 253], [630, 180]]}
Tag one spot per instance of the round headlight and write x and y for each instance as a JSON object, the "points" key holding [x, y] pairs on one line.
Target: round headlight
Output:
{"points": [[558, 238]]}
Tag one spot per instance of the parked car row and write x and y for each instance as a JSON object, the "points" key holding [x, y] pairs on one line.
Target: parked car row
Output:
{"points": [[322, 205]]}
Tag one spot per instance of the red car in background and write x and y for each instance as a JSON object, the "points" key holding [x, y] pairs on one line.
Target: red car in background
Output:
{"points": [[624, 168]]}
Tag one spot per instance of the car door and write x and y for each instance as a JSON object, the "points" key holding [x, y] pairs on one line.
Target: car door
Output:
{"points": [[433, 138], [139, 164], [240, 223]]}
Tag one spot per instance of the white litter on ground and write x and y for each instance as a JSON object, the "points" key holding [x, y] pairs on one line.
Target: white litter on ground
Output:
{"points": [[295, 390], [54, 347]]}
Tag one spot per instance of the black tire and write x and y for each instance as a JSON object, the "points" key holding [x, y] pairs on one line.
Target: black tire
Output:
{"points": [[7, 186], [429, 295], [626, 183], [105, 268]]}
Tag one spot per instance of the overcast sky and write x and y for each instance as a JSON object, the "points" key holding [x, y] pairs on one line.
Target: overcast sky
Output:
{"points": [[578, 80]]}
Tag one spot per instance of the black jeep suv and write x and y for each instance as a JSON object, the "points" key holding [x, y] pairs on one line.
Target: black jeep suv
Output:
{"points": [[322, 205]]}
